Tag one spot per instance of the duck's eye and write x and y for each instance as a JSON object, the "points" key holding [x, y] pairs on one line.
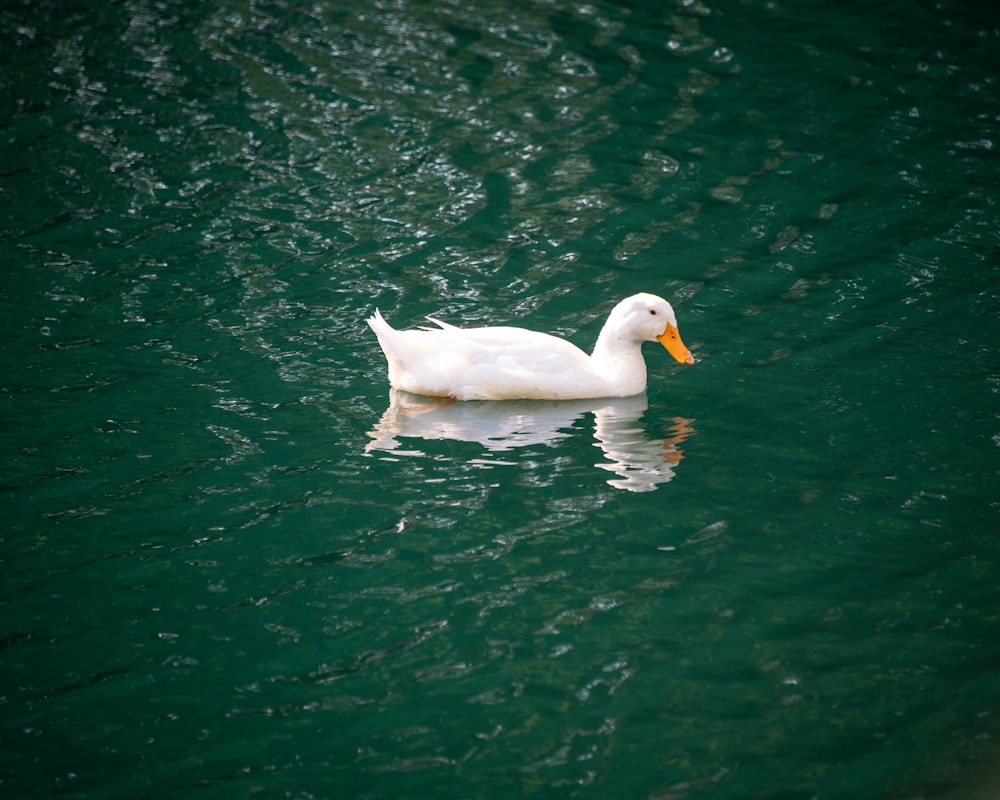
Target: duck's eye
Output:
{"points": [[652, 312]]}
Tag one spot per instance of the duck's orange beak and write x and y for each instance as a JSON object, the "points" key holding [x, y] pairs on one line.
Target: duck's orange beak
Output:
{"points": [[671, 339]]}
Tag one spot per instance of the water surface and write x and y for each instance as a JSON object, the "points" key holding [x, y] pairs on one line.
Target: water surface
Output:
{"points": [[236, 566]]}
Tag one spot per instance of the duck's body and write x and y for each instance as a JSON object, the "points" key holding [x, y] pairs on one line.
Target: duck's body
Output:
{"points": [[506, 363]]}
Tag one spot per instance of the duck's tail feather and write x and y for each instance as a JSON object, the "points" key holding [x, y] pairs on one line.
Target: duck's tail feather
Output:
{"points": [[377, 323]]}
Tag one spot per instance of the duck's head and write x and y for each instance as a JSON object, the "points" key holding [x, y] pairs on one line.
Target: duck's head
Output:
{"points": [[649, 318]]}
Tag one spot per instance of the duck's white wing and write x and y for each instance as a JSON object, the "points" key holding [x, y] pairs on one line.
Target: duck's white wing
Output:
{"points": [[514, 363], [493, 363]]}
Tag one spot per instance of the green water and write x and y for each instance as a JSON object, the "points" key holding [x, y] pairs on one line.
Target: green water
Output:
{"points": [[232, 568]]}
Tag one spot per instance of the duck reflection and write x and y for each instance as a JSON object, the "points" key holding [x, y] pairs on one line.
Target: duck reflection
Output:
{"points": [[639, 463]]}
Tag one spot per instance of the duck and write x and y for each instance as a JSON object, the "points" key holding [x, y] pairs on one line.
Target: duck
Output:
{"points": [[510, 363]]}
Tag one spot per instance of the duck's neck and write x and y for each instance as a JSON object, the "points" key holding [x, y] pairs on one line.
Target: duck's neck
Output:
{"points": [[620, 361]]}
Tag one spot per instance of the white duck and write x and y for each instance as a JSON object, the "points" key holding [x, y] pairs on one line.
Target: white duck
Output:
{"points": [[504, 363]]}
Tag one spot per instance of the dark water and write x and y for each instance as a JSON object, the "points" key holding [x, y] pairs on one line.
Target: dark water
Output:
{"points": [[233, 569]]}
